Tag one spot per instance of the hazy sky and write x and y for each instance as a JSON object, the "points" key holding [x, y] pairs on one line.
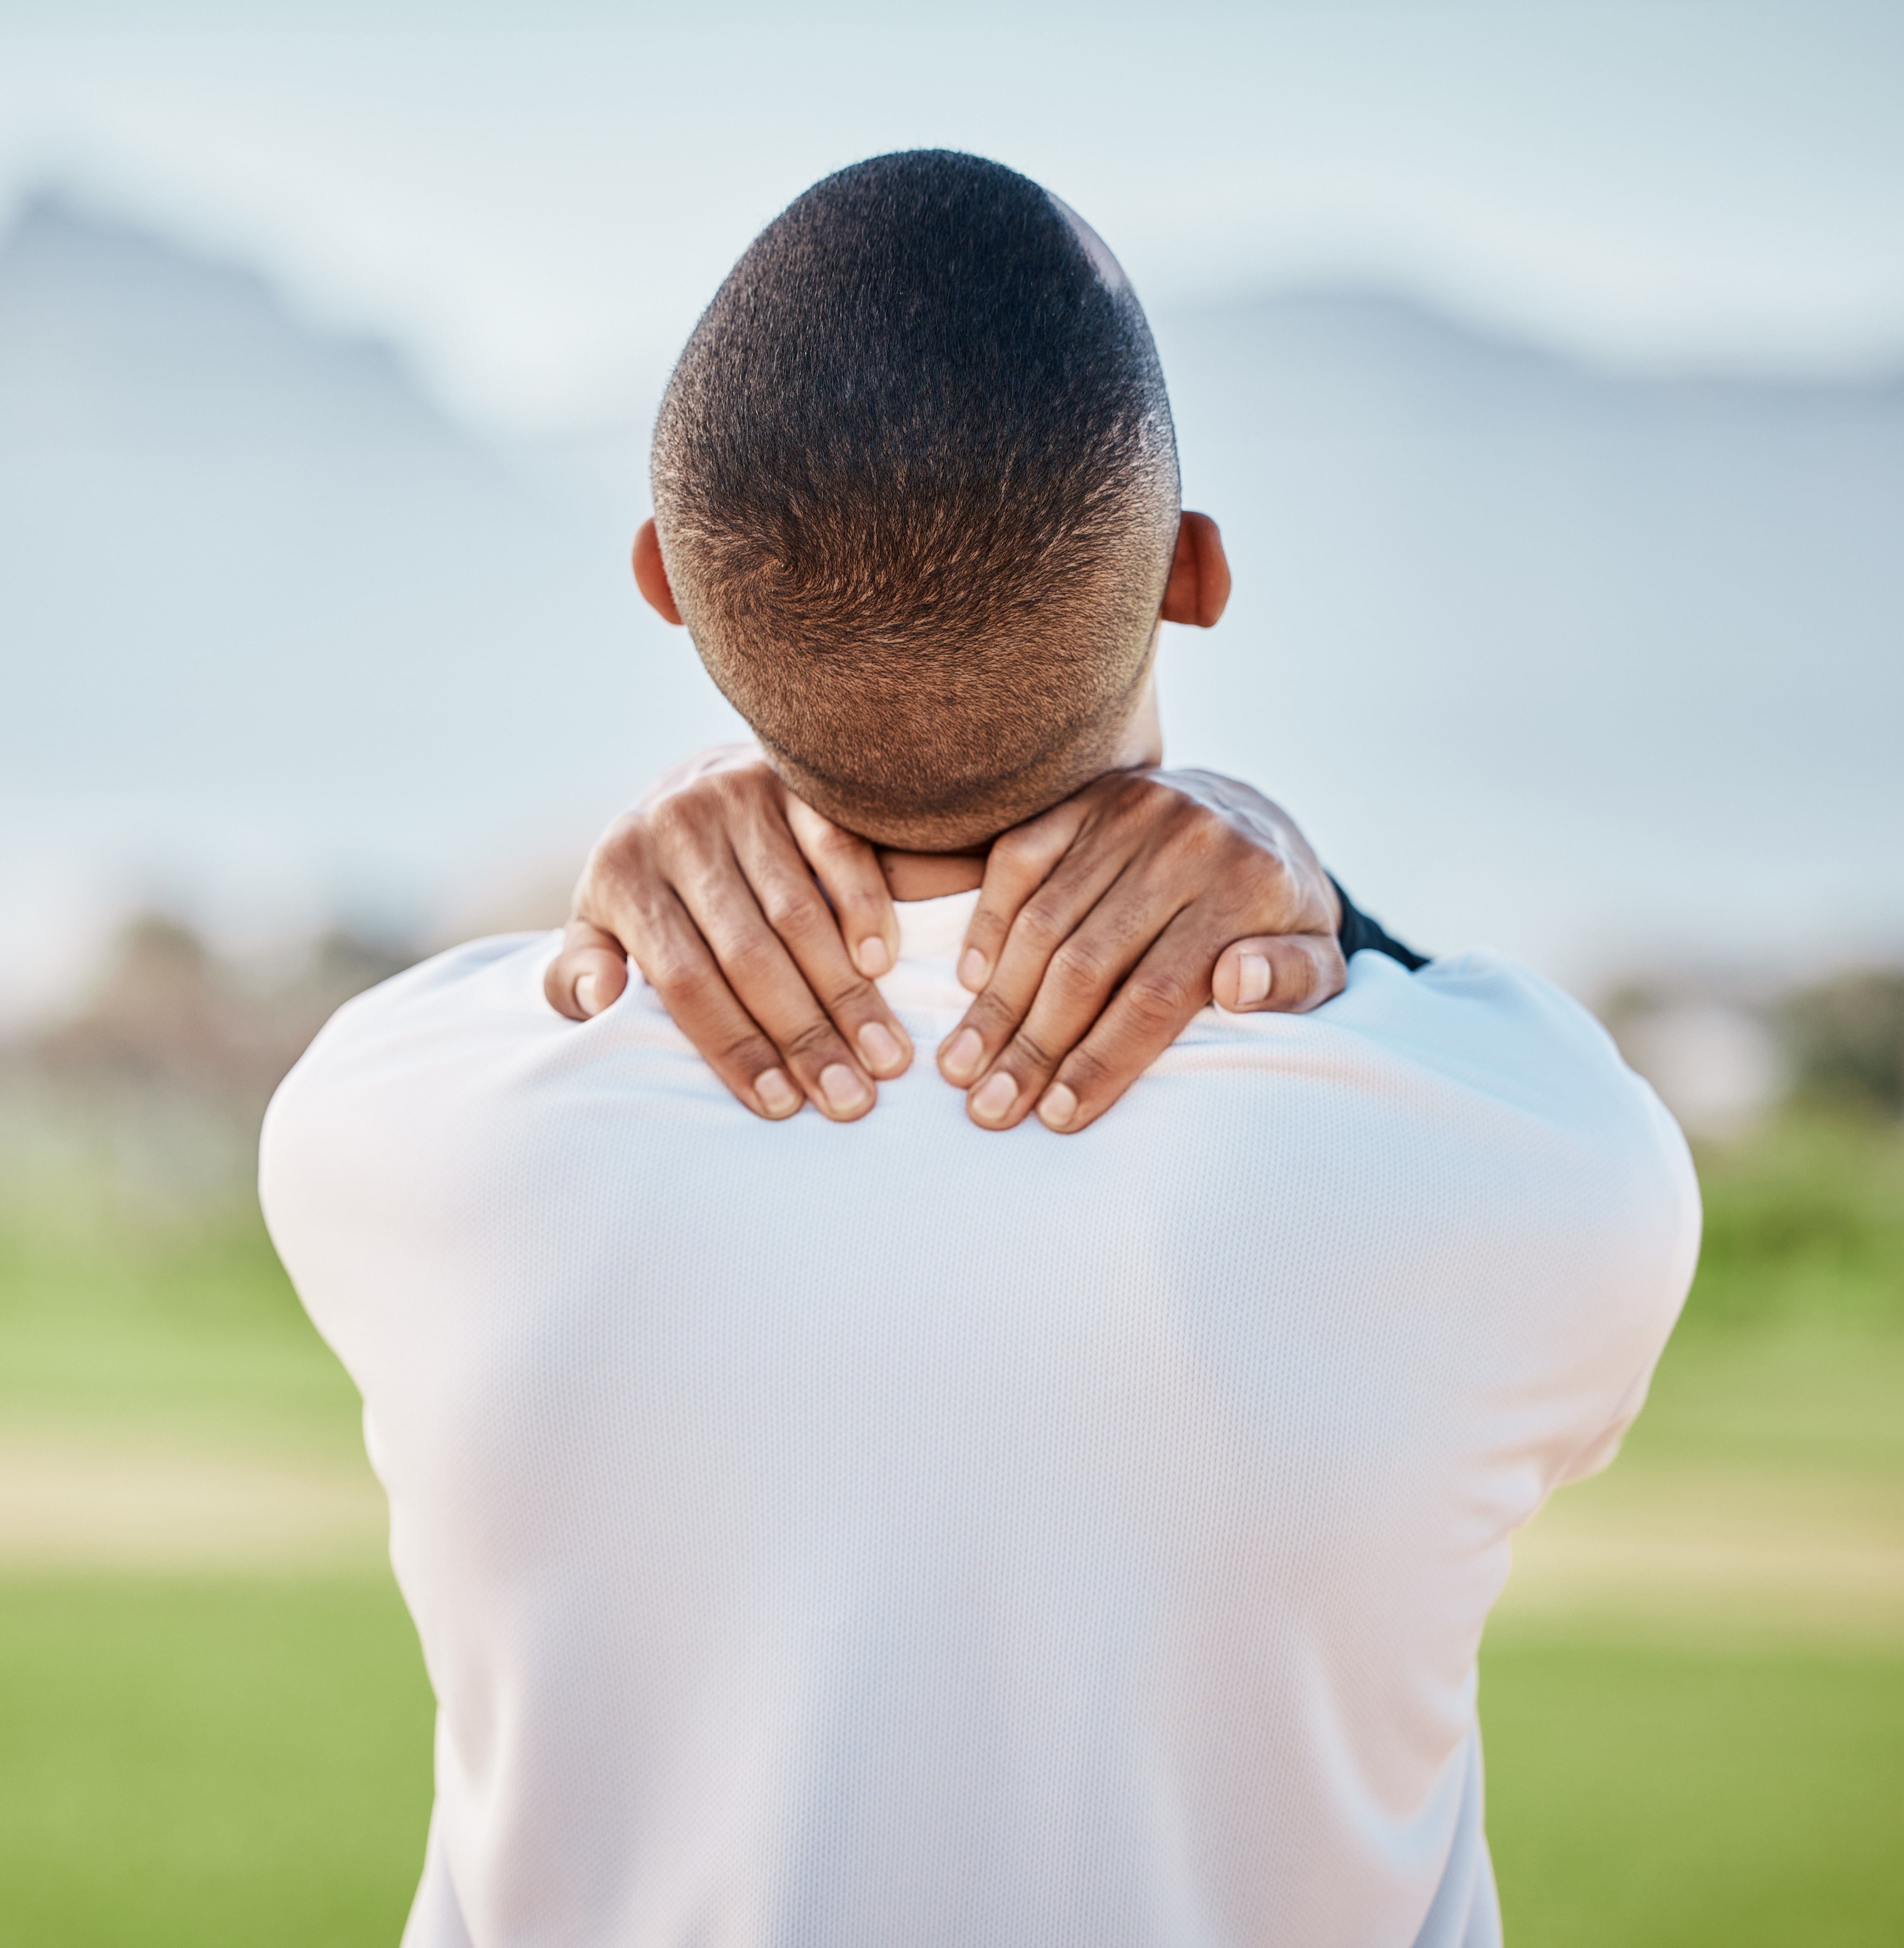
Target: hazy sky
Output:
{"points": [[535, 203]]}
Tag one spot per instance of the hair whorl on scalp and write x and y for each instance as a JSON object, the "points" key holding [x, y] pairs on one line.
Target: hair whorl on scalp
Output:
{"points": [[917, 490]]}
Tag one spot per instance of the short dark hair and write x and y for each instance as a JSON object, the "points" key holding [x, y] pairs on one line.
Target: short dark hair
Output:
{"points": [[916, 486]]}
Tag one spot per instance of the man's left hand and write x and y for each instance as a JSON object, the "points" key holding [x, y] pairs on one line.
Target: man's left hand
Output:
{"points": [[1105, 923]]}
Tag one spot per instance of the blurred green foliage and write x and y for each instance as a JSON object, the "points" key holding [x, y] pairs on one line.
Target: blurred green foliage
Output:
{"points": [[1804, 1220], [1845, 1039]]}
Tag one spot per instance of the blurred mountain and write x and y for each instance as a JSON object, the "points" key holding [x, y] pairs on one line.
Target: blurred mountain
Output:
{"points": [[1607, 670], [276, 639], [109, 339]]}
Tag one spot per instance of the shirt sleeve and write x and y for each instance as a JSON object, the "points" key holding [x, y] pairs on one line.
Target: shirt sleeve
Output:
{"points": [[1358, 931]]}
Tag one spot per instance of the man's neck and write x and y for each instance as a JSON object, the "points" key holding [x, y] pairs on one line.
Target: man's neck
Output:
{"points": [[929, 876]]}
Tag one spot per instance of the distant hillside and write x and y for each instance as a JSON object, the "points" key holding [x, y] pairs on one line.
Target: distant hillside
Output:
{"points": [[1600, 667], [279, 638], [111, 340], [1605, 671]]}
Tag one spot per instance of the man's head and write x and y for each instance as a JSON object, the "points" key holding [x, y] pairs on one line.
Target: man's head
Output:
{"points": [[916, 491]]}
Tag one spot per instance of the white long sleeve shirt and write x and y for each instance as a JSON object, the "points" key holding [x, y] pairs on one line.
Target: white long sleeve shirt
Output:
{"points": [[900, 1535]]}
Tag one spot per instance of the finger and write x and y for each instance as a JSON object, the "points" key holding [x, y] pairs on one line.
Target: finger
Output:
{"points": [[754, 959], [1076, 937], [1147, 1014], [1019, 863], [1158, 971], [1279, 974], [783, 887], [847, 868], [588, 973], [676, 964], [1083, 974]]}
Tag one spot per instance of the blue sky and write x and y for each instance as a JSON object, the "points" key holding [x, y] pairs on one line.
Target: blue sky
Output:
{"points": [[534, 203]]}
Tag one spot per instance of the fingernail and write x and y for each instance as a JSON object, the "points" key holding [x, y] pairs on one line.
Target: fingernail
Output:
{"points": [[1059, 1106], [842, 1087], [873, 957], [586, 991], [993, 1103], [973, 970], [877, 1044], [778, 1096], [1252, 980], [962, 1059]]}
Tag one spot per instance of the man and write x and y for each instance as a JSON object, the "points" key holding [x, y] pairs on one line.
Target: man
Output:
{"points": [[890, 1532]]}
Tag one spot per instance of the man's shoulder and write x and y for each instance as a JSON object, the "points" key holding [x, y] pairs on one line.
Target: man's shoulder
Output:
{"points": [[464, 1038], [423, 1049], [1477, 1020], [497, 978], [482, 999], [1473, 1062]]}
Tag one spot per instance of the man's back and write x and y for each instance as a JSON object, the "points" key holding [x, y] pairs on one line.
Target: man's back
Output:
{"points": [[895, 1533]]}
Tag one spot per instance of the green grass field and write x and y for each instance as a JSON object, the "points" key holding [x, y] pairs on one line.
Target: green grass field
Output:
{"points": [[211, 1732], [207, 1760]]}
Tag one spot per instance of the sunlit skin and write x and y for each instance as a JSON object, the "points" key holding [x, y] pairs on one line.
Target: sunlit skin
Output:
{"points": [[1103, 924]]}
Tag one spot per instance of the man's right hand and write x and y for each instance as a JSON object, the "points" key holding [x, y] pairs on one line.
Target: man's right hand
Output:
{"points": [[709, 886]]}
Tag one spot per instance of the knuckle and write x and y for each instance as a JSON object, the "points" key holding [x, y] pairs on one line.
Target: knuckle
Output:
{"points": [[1267, 881], [1158, 1001], [991, 1018], [847, 996], [1080, 967], [1020, 849], [1204, 839], [1027, 1054], [1040, 928], [670, 821], [1085, 1073], [1265, 853], [747, 1053], [1159, 801], [827, 837], [623, 857], [808, 1043], [753, 957], [669, 969], [986, 930], [790, 910]]}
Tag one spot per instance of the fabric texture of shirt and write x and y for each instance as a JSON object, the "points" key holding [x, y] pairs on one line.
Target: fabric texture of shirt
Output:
{"points": [[902, 1535]]}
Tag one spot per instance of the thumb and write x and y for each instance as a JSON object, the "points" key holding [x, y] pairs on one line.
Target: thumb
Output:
{"points": [[588, 974], [1286, 974]]}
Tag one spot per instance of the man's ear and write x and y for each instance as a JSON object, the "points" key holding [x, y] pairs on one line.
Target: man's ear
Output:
{"points": [[652, 572], [1199, 586]]}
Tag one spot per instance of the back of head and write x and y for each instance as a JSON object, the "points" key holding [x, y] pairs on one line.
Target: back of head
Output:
{"points": [[916, 489]]}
